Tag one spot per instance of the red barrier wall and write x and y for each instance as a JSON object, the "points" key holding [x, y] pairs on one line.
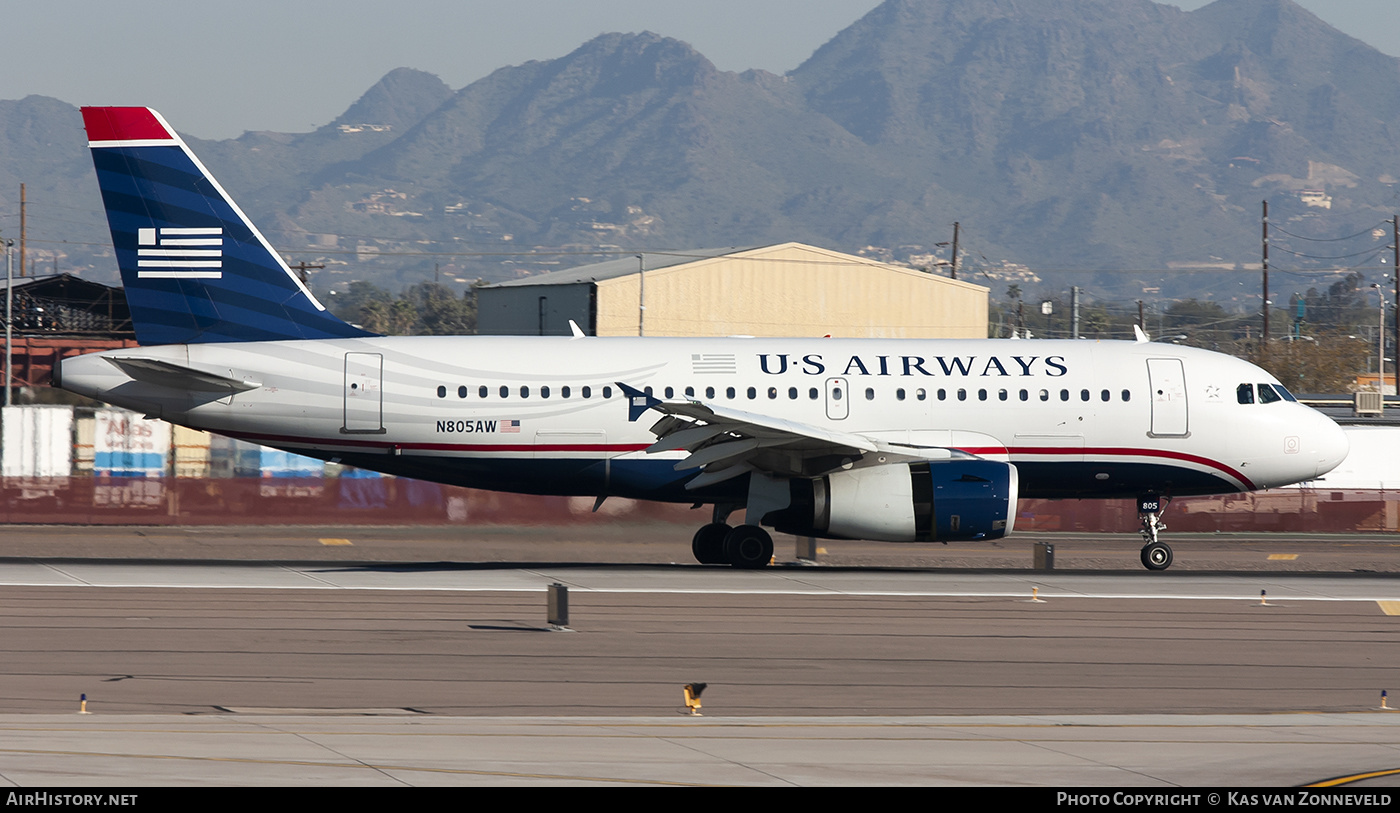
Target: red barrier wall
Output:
{"points": [[390, 501]]}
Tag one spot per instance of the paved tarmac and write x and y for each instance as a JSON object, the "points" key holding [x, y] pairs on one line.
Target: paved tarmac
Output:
{"points": [[669, 543], [354, 671]]}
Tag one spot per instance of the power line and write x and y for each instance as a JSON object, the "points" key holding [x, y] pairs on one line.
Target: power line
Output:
{"points": [[1364, 232]]}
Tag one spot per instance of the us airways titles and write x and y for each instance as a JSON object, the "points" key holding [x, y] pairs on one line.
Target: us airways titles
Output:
{"points": [[966, 366]]}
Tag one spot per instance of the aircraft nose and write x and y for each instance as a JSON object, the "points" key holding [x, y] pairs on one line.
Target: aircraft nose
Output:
{"points": [[1332, 445]]}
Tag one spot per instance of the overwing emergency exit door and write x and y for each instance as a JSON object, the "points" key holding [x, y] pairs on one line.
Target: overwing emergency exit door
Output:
{"points": [[837, 399]]}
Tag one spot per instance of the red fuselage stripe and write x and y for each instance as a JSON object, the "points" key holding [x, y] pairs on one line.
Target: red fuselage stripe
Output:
{"points": [[1109, 451]]}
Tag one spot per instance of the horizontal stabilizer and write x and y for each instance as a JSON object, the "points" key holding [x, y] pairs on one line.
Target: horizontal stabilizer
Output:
{"points": [[179, 377]]}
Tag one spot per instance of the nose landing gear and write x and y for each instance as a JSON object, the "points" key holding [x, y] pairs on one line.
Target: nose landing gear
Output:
{"points": [[1156, 554]]}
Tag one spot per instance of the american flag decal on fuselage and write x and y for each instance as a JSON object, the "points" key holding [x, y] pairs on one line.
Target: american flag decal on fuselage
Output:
{"points": [[189, 253]]}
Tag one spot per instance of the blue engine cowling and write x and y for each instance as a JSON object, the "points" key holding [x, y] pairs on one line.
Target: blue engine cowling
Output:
{"points": [[914, 502]]}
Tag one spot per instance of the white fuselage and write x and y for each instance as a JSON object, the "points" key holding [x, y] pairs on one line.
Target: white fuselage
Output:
{"points": [[545, 414]]}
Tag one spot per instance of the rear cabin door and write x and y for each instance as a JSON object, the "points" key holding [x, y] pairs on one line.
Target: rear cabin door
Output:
{"points": [[364, 396]]}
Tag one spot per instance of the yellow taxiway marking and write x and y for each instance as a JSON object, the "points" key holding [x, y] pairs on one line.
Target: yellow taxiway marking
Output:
{"points": [[1356, 777], [1390, 607], [1282, 557], [331, 541]]}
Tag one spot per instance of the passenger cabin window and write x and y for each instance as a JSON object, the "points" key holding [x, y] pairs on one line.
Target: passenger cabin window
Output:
{"points": [[1244, 393], [482, 391], [442, 392], [586, 392], [544, 392], [462, 392]]}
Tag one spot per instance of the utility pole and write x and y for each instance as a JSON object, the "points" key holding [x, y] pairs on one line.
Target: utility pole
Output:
{"points": [[1142, 323], [22, 231], [1395, 272], [9, 312], [1380, 340], [302, 268], [641, 295], [1074, 312], [955, 251], [1264, 337]]}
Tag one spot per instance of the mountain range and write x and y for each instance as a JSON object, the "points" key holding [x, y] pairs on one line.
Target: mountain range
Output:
{"points": [[1103, 143]]}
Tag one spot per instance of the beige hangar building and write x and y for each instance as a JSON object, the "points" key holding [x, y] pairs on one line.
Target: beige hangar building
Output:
{"points": [[789, 289]]}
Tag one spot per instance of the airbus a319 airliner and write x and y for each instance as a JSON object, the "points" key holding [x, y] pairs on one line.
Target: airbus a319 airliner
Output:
{"points": [[894, 440]]}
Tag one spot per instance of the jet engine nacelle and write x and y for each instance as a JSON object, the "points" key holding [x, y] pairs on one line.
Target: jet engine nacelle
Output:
{"points": [[914, 502]]}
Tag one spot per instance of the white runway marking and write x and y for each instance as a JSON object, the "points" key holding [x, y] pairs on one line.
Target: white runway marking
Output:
{"points": [[703, 581]]}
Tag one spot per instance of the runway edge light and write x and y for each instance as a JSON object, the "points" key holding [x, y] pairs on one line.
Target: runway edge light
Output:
{"points": [[692, 697], [82, 704]]}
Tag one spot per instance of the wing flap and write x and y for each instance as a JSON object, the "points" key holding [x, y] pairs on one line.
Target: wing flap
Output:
{"points": [[725, 442]]}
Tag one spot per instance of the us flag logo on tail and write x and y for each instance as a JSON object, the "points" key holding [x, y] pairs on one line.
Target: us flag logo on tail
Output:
{"points": [[188, 253]]}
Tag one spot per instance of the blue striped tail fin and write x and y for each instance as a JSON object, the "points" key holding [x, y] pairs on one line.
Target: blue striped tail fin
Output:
{"points": [[194, 268]]}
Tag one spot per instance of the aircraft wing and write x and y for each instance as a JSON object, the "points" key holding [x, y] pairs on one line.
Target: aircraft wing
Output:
{"points": [[727, 442]]}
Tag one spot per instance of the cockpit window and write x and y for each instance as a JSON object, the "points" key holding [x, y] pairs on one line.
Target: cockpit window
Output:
{"points": [[1245, 393], [1267, 394], [1287, 396]]}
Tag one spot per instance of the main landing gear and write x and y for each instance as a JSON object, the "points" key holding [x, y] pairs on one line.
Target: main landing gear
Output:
{"points": [[745, 546], [1156, 554]]}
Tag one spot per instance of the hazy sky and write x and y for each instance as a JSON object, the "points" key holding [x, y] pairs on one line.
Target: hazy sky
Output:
{"points": [[217, 69]]}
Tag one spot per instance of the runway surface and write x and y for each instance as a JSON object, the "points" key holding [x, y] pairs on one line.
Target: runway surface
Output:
{"points": [[355, 672]]}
